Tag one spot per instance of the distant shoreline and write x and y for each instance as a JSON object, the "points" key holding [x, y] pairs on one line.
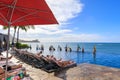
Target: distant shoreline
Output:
{"points": [[30, 41]]}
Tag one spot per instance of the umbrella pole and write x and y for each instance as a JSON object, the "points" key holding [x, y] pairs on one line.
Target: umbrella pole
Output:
{"points": [[9, 24], [8, 42]]}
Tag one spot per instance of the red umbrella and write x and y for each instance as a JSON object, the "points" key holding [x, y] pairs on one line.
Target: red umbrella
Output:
{"points": [[24, 12]]}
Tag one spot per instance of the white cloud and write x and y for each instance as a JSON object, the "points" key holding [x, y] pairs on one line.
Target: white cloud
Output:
{"points": [[74, 38], [45, 31], [65, 9], [71, 38]]}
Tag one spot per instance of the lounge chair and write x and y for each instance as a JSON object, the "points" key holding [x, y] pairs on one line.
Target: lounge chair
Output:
{"points": [[54, 67], [41, 62], [12, 73]]}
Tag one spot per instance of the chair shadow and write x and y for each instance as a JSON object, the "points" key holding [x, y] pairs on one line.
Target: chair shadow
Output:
{"points": [[62, 74]]}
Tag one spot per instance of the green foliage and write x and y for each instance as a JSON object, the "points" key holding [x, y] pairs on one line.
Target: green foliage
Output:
{"points": [[21, 46], [24, 46]]}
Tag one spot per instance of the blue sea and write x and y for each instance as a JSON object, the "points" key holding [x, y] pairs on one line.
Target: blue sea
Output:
{"points": [[107, 54]]}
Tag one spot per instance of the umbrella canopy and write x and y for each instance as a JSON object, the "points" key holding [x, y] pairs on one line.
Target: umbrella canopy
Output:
{"points": [[25, 12], [22, 13]]}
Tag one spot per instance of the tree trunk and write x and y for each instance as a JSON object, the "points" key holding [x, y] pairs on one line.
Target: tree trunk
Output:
{"points": [[13, 37], [18, 34]]}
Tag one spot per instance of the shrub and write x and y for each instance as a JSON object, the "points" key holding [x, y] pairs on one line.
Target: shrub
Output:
{"points": [[21, 46]]}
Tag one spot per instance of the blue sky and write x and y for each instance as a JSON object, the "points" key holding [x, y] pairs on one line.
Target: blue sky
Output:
{"points": [[99, 16], [81, 21]]}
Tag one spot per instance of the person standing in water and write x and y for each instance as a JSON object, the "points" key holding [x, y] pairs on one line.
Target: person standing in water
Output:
{"points": [[82, 49], [78, 48], [30, 47], [94, 49], [37, 48], [94, 53], [66, 48], [42, 48], [59, 48]]}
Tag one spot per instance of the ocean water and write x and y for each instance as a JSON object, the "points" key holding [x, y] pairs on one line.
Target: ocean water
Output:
{"points": [[107, 54]]}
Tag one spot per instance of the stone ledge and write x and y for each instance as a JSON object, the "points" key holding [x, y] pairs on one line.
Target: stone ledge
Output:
{"points": [[90, 72]]}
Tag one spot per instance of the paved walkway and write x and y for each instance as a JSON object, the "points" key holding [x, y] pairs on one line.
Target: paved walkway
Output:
{"points": [[90, 72], [81, 72], [36, 74]]}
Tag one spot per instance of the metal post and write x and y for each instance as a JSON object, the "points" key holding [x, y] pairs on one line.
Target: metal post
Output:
{"points": [[8, 42], [9, 24]]}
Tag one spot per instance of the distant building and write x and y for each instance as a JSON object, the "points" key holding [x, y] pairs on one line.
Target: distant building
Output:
{"points": [[3, 42]]}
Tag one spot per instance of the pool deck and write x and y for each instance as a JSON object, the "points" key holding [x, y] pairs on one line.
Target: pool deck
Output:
{"points": [[83, 71], [90, 72]]}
